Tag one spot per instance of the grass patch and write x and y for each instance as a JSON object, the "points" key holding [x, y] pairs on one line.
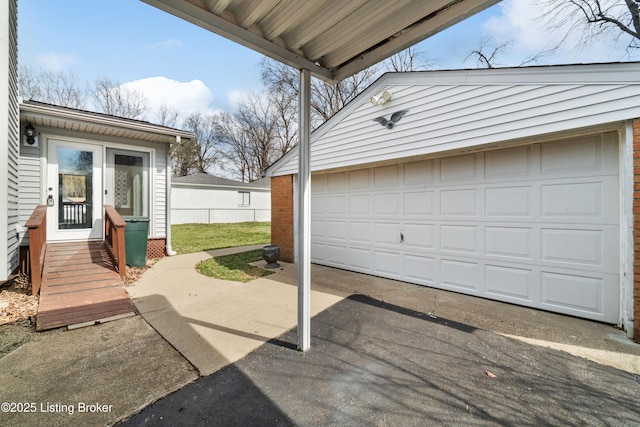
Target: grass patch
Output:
{"points": [[234, 267], [188, 238]]}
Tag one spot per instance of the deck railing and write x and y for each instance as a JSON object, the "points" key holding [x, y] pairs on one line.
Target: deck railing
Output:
{"points": [[37, 225], [114, 238]]}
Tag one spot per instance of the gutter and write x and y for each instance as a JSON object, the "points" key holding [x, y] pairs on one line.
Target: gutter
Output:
{"points": [[170, 251]]}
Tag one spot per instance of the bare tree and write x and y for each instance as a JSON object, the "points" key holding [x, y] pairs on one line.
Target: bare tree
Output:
{"points": [[167, 116], [112, 98], [206, 151], [183, 158], [58, 88], [410, 59], [594, 18]]}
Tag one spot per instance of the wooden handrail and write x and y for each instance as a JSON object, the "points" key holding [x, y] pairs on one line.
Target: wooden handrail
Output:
{"points": [[114, 238], [37, 225]]}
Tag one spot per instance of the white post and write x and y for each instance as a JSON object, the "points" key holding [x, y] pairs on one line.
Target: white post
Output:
{"points": [[304, 214]]}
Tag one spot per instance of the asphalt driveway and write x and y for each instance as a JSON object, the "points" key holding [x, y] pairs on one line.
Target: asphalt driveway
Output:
{"points": [[376, 363]]}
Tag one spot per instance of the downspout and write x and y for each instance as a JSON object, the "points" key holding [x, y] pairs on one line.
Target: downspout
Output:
{"points": [[170, 251]]}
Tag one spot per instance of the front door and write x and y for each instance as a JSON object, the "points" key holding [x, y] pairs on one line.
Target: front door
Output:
{"points": [[74, 191]]}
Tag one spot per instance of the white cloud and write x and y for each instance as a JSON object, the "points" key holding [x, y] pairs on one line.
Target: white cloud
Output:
{"points": [[167, 44], [55, 61], [185, 97]]}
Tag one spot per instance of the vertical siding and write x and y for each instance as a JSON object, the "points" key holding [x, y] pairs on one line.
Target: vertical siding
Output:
{"points": [[159, 207], [10, 252], [31, 176]]}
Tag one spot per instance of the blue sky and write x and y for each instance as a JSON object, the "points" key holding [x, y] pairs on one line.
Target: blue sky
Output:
{"points": [[177, 62]]}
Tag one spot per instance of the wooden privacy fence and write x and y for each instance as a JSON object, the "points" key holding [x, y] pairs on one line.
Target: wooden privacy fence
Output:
{"points": [[37, 225], [114, 238]]}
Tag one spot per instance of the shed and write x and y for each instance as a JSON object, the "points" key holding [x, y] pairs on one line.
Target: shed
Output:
{"points": [[206, 199], [510, 184]]}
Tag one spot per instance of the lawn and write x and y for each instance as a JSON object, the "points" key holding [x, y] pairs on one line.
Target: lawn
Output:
{"points": [[234, 267], [188, 238]]}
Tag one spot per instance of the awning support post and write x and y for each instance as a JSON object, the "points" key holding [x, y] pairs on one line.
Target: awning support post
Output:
{"points": [[304, 213]]}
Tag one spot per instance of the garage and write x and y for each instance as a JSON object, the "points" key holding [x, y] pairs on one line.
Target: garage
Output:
{"points": [[535, 225], [512, 184]]}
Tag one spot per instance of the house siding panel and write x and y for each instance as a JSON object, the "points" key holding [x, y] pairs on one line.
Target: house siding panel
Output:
{"points": [[9, 253], [469, 112]]}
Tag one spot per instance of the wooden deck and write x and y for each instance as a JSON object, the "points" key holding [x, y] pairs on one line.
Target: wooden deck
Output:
{"points": [[80, 286]]}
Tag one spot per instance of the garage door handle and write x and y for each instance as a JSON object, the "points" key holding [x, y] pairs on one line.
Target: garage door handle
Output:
{"points": [[401, 237]]}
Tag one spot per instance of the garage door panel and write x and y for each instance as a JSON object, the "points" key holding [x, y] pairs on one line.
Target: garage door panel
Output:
{"points": [[360, 205], [572, 292], [420, 203], [578, 155], [388, 264], [336, 205], [458, 168], [337, 230], [387, 204], [456, 203], [576, 200], [318, 205], [504, 202], [459, 238], [337, 181], [420, 269], [318, 229], [509, 242], [361, 259], [360, 232], [386, 176], [508, 163], [336, 255], [359, 180], [572, 246], [459, 275], [386, 233], [318, 253], [420, 236], [507, 283], [419, 173]]}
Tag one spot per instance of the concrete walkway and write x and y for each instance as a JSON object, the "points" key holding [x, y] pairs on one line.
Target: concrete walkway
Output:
{"points": [[213, 323]]}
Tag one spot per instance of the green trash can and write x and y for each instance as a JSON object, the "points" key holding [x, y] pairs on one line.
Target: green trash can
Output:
{"points": [[135, 240]]}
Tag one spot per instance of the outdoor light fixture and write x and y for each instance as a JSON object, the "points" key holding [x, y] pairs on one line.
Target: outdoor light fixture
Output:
{"points": [[30, 137], [381, 99]]}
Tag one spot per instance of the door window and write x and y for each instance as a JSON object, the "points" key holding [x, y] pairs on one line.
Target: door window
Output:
{"points": [[75, 188]]}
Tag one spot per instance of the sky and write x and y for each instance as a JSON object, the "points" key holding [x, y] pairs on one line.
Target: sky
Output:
{"points": [[177, 63]]}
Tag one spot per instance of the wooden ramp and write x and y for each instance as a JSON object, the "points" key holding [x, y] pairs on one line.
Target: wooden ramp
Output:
{"points": [[80, 286]]}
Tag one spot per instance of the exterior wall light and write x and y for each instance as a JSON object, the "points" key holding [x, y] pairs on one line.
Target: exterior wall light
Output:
{"points": [[381, 99], [30, 137]]}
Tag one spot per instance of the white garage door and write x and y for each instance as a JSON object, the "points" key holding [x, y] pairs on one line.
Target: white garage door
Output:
{"points": [[535, 225]]}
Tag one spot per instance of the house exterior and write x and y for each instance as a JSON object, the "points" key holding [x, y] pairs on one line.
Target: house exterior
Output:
{"points": [[509, 184], [206, 199], [78, 162]]}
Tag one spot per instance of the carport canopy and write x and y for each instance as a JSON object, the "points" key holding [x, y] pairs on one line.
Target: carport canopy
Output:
{"points": [[331, 39]]}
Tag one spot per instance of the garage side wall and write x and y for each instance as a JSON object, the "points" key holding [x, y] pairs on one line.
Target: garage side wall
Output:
{"points": [[282, 215], [636, 230]]}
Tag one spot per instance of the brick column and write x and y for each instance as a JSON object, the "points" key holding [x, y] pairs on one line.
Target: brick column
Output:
{"points": [[282, 215], [636, 230]]}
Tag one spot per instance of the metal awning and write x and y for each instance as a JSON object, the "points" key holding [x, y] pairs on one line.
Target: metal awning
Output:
{"points": [[333, 39]]}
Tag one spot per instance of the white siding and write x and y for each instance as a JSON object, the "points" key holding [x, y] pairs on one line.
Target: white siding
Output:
{"points": [[9, 127], [454, 111], [207, 204], [160, 205]]}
